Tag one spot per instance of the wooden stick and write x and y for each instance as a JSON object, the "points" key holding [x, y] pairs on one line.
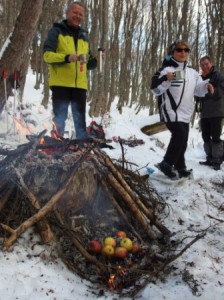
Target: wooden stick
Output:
{"points": [[131, 204], [147, 211], [119, 209], [15, 233], [23, 187], [88, 256], [44, 228]]}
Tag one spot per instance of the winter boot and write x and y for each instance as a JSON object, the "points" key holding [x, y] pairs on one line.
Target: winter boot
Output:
{"points": [[167, 169], [217, 155], [185, 173], [208, 151]]}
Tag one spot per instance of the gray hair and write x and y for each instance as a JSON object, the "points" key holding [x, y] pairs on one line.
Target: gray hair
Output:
{"points": [[206, 57], [73, 3]]}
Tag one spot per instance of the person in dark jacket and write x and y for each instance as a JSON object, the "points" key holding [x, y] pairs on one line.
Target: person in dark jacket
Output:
{"points": [[68, 54], [175, 84], [212, 114]]}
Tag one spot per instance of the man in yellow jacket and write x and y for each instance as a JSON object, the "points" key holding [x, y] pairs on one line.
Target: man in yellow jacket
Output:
{"points": [[68, 54]]}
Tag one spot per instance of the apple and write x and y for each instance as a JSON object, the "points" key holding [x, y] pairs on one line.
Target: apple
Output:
{"points": [[110, 241], [135, 248], [126, 243], [95, 246], [108, 250], [121, 234], [121, 252]]}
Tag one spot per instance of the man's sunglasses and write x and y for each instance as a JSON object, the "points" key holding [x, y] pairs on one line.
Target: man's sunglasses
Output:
{"points": [[183, 49]]}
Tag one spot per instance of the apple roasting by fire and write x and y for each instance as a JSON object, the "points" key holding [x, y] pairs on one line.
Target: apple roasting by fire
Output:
{"points": [[114, 247]]}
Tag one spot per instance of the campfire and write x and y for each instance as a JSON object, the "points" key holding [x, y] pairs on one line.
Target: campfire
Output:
{"points": [[102, 216]]}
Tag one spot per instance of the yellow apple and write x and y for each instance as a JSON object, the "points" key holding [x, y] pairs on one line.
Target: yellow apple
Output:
{"points": [[110, 241], [108, 250], [126, 243], [121, 252], [121, 234]]}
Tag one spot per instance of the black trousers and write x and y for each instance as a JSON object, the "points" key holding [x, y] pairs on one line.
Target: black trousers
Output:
{"points": [[178, 144], [211, 129]]}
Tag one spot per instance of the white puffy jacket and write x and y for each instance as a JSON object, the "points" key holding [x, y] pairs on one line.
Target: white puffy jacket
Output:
{"points": [[177, 103]]}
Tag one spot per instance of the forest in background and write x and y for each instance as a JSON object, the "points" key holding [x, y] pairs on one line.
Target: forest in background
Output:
{"points": [[134, 33]]}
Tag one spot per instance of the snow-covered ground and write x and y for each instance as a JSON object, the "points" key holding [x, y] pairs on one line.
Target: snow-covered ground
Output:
{"points": [[33, 271]]}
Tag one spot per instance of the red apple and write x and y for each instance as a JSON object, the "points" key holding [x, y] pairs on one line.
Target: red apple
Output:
{"points": [[121, 234], [95, 246], [121, 252], [135, 248]]}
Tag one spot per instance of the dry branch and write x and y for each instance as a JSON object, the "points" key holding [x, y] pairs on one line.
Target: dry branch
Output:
{"points": [[120, 210], [44, 228], [146, 211], [92, 259], [169, 260], [15, 233], [131, 204], [142, 219]]}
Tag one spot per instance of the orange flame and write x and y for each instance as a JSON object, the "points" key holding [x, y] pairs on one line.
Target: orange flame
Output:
{"points": [[111, 281], [42, 141], [116, 279], [23, 130], [55, 133]]}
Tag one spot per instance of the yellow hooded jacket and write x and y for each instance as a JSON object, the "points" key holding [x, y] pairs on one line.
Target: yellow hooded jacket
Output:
{"points": [[57, 47]]}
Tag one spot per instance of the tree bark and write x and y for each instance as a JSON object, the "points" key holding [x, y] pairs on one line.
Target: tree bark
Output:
{"points": [[25, 27]]}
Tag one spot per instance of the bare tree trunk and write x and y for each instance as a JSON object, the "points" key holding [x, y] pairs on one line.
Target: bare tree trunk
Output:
{"points": [[99, 94], [8, 15], [114, 51], [22, 35], [51, 11]]}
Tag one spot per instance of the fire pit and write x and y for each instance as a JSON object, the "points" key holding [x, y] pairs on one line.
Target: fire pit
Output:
{"points": [[103, 217]]}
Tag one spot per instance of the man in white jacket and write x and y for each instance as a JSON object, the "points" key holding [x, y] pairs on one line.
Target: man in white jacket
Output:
{"points": [[176, 84]]}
